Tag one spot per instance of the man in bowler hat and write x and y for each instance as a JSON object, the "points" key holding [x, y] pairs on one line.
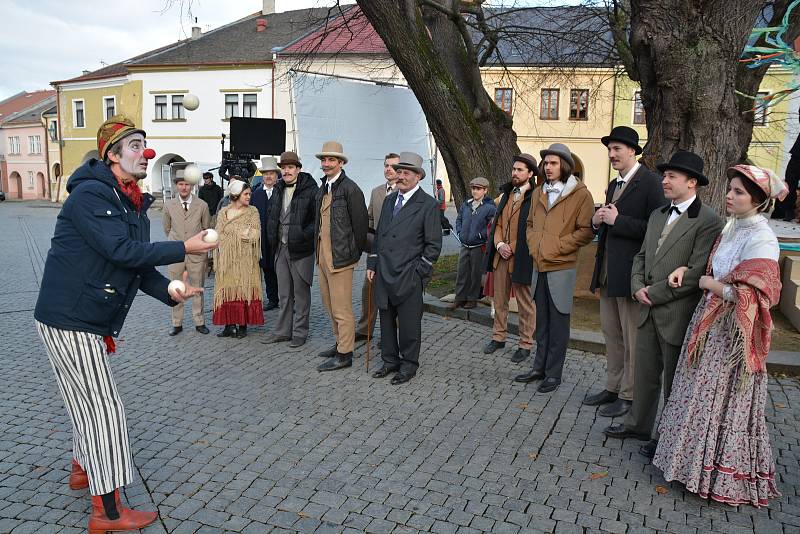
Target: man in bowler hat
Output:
{"points": [[620, 225], [407, 243], [680, 234]]}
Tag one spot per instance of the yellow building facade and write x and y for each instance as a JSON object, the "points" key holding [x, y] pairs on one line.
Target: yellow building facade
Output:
{"points": [[84, 106], [578, 106]]}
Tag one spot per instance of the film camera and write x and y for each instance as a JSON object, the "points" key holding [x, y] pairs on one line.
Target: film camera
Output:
{"points": [[249, 139]]}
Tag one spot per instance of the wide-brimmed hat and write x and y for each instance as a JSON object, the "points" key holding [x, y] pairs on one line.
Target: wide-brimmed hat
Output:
{"points": [[687, 162], [333, 149], [561, 150], [289, 158], [113, 130], [479, 181], [269, 163], [625, 135], [528, 160], [765, 179], [410, 161]]}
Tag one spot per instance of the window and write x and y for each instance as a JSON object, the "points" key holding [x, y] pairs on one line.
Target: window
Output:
{"points": [[760, 113], [161, 107], [34, 144], [79, 119], [30, 179], [110, 106], [579, 104], [231, 106], [53, 130], [177, 107], [13, 145], [638, 108], [502, 97], [250, 105], [549, 105]]}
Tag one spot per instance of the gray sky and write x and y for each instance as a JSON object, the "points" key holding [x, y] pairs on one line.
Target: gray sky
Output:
{"points": [[47, 40]]}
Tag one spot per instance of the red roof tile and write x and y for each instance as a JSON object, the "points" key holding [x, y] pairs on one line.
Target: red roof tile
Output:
{"points": [[349, 33], [22, 101]]}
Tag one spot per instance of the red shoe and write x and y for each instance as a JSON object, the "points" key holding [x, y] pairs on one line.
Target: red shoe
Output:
{"points": [[78, 479], [128, 519]]}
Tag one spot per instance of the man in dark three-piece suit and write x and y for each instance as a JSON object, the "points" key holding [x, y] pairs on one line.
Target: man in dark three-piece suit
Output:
{"points": [[678, 235], [407, 243], [620, 225]]}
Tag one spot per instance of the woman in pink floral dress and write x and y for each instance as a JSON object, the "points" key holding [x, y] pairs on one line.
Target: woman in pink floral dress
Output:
{"points": [[714, 436]]}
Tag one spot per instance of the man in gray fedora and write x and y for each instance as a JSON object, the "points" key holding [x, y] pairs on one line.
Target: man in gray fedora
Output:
{"points": [[407, 243], [559, 224], [680, 234], [620, 225]]}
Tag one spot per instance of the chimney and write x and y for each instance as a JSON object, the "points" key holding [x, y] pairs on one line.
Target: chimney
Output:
{"points": [[196, 32], [261, 25], [268, 7]]}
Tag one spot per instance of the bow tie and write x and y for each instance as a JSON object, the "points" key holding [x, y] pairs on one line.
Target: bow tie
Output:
{"points": [[551, 188], [674, 209]]}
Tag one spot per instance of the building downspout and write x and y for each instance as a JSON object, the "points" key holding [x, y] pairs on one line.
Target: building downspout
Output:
{"points": [[60, 146]]}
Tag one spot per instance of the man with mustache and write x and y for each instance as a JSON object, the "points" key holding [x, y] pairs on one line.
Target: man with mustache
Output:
{"points": [[340, 235], [369, 312], [100, 257], [290, 230], [680, 234], [620, 225]]}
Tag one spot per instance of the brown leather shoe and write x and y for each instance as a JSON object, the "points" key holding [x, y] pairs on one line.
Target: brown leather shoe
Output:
{"points": [[128, 519], [78, 479]]}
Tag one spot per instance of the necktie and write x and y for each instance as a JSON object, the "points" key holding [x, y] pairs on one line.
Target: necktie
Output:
{"points": [[516, 193], [398, 205], [289, 185], [388, 189], [674, 209], [551, 188], [185, 206]]}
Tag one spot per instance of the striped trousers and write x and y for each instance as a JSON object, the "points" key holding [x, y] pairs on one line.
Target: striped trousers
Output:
{"points": [[99, 431]]}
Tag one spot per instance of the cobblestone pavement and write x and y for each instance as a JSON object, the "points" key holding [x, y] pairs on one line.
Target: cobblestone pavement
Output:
{"points": [[237, 436]]}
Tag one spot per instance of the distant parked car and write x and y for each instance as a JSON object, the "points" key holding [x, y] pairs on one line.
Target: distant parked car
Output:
{"points": [[2, 196]]}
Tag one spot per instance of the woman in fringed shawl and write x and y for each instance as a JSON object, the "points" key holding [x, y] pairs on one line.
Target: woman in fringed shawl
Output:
{"points": [[237, 288], [714, 436]]}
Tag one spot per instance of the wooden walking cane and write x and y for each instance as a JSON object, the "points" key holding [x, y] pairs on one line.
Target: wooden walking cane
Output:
{"points": [[369, 321]]}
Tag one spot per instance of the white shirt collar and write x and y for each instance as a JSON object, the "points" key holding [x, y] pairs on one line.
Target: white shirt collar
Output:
{"points": [[630, 173], [188, 200], [683, 206], [330, 181], [408, 194]]}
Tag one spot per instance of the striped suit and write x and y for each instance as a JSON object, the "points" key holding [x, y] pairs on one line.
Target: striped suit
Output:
{"points": [[99, 430], [662, 326]]}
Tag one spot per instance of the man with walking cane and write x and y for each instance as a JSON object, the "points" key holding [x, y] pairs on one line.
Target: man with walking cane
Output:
{"points": [[407, 243]]}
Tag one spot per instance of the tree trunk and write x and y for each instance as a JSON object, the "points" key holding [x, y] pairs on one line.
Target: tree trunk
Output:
{"points": [[473, 135], [686, 56]]}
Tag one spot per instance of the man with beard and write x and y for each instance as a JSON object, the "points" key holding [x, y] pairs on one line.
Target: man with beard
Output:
{"points": [[509, 260], [620, 225], [368, 310], [340, 236], [290, 230], [100, 257]]}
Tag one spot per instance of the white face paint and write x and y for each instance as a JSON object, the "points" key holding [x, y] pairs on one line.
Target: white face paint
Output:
{"points": [[131, 162]]}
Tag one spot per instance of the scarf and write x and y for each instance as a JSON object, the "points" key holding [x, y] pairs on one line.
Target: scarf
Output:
{"points": [[132, 191], [757, 285]]}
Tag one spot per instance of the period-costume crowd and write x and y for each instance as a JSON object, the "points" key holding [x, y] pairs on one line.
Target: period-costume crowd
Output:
{"points": [[683, 294]]}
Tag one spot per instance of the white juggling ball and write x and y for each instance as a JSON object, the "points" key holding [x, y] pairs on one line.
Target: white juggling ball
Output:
{"points": [[192, 174], [211, 236], [176, 286], [191, 102]]}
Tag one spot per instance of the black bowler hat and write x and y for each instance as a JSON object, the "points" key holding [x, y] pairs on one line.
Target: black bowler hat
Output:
{"points": [[687, 162], [625, 135]]}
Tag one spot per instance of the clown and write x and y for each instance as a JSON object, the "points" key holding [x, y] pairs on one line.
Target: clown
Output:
{"points": [[100, 257]]}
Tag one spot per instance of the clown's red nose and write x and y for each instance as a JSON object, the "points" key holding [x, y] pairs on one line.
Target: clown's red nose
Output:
{"points": [[149, 153]]}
